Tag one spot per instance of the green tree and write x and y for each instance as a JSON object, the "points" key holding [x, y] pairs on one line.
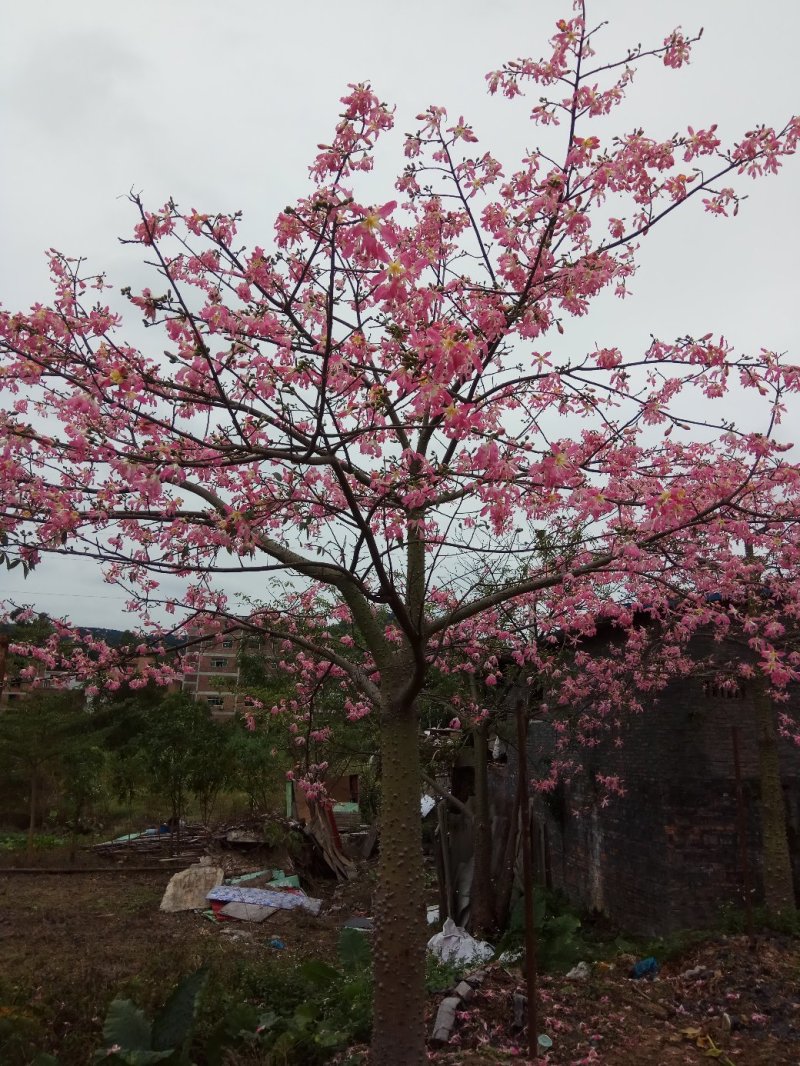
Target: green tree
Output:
{"points": [[169, 748], [211, 763], [38, 733]]}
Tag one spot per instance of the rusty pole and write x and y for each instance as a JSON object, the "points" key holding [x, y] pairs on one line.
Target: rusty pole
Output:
{"points": [[527, 877], [741, 832]]}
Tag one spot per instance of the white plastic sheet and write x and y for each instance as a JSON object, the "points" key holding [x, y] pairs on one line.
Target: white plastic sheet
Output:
{"points": [[454, 944]]}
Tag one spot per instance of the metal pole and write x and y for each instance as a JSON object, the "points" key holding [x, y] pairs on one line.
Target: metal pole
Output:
{"points": [[741, 832], [527, 876]]}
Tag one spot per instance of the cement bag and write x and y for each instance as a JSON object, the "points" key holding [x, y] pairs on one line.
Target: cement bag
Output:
{"points": [[454, 944]]}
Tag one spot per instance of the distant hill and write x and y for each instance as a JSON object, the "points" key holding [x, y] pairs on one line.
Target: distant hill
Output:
{"points": [[115, 637]]}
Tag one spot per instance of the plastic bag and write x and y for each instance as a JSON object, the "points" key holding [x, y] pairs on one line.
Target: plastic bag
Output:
{"points": [[454, 944]]}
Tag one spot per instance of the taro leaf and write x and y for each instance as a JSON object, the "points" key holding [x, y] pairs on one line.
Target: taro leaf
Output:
{"points": [[43, 1058], [126, 1027], [304, 1015], [355, 952], [173, 1024], [266, 1021], [319, 973], [330, 1038]]}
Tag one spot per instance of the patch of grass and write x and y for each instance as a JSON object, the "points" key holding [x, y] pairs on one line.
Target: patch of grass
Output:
{"points": [[734, 920], [21, 1031], [41, 841]]}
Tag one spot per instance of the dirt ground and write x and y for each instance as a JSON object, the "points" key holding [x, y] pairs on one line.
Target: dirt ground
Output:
{"points": [[70, 943], [723, 1000]]}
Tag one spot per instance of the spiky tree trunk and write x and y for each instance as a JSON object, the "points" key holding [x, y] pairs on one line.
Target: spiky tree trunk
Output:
{"points": [[777, 864], [399, 958]]}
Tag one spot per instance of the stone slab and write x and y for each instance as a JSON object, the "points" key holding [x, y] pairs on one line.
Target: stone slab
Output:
{"points": [[188, 889]]}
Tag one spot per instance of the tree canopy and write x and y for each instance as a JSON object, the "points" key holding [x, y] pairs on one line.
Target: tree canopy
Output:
{"points": [[381, 406]]}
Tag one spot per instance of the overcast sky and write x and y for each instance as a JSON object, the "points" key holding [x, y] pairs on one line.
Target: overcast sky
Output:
{"points": [[221, 106]]}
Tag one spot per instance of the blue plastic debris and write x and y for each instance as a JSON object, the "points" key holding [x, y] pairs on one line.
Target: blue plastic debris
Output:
{"points": [[648, 967], [277, 943]]}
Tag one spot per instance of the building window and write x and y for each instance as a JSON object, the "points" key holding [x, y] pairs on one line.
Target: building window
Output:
{"points": [[219, 664], [215, 701], [227, 644]]}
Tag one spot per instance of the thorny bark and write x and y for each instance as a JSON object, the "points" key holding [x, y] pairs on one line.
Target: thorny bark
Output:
{"points": [[399, 958]]}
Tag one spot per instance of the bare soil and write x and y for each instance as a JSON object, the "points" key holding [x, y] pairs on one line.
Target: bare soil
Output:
{"points": [[70, 943]]}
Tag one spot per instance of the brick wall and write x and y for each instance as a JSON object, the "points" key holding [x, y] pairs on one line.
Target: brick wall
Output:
{"points": [[665, 856]]}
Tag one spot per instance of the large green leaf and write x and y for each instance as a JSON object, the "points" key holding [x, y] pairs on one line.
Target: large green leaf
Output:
{"points": [[126, 1027], [173, 1024], [319, 973], [355, 951]]}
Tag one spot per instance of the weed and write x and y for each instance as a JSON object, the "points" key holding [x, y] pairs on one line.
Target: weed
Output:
{"points": [[303, 1014], [440, 975], [560, 942], [41, 841], [734, 920]]}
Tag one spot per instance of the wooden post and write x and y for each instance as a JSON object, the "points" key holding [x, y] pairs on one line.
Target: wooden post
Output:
{"points": [[527, 875]]}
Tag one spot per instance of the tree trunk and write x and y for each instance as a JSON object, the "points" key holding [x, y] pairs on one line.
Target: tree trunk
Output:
{"points": [[399, 955], [481, 908], [777, 863]]}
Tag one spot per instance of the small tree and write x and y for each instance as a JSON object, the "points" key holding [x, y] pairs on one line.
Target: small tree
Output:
{"points": [[211, 764], [170, 747], [82, 773], [38, 732], [380, 403]]}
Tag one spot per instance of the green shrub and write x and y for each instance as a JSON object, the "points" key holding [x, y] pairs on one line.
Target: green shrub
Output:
{"points": [[559, 939], [302, 1014], [132, 1039]]}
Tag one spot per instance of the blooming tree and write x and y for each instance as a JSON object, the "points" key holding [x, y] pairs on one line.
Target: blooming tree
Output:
{"points": [[378, 402]]}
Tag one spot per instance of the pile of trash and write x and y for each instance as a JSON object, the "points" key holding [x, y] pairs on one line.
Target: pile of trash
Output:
{"points": [[250, 897], [155, 841]]}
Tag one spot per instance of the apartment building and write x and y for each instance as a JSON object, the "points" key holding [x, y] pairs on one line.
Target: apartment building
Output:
{"points": [[211, 672]]}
